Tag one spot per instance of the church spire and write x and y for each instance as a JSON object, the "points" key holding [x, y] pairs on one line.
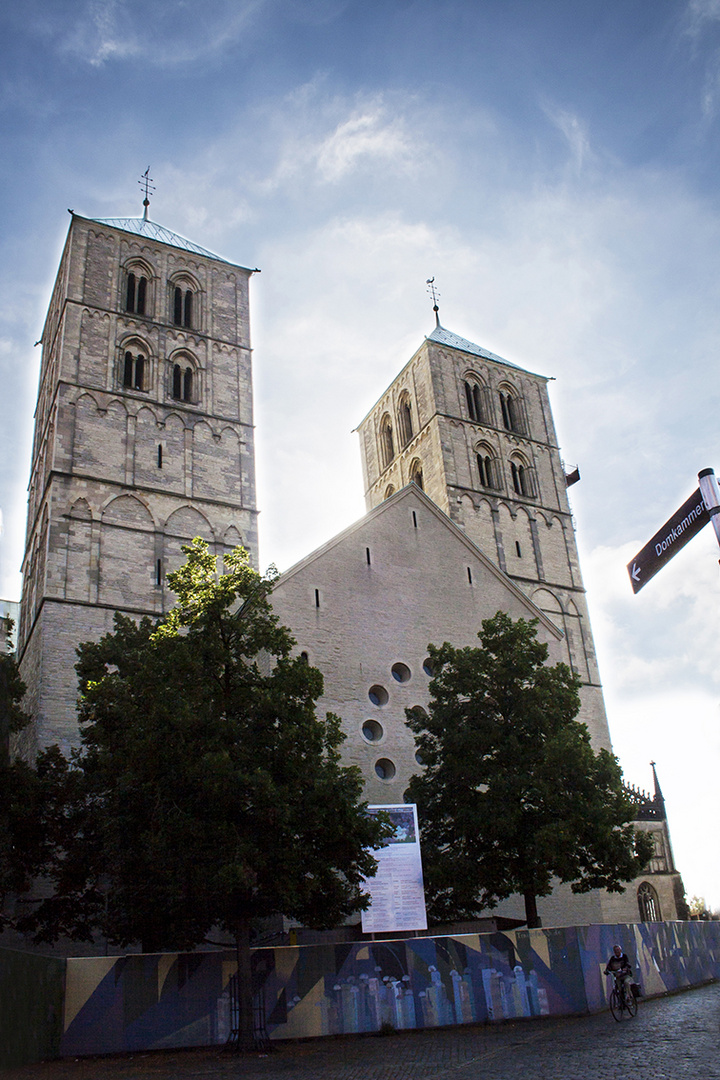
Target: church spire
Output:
{"points": [[146, 183], [658, 793], [435, 295]]}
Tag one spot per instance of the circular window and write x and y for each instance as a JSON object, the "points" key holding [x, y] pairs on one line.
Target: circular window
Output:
{"points": [[400, 672], [384, 768], [427, 667], [418, 758], [372, 730], [378, 695]]}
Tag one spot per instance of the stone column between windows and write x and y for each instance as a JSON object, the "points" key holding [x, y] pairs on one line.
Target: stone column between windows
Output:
{"points": [[94, 567], [130, 450], [536, 548], [188, 476], [495, 511]]}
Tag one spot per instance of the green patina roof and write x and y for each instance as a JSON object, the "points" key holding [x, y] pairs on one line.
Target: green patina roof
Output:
{"points": [[153, 231], [441, 336]]}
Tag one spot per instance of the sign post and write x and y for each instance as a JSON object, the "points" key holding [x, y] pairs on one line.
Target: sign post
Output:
{"points": [[711, 497], [694, 514], [667, 541]]}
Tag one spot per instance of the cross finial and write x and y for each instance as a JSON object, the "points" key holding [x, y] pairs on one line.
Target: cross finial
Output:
{"points": [[146, 183], [435, 296]]}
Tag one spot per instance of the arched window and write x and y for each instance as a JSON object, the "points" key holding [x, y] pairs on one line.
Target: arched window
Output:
{"points": [[512, 413], [648, 903], [134, 371], [182, 306], [522, 480], [136, 293], [416, 474], [389, 490], [387, 445], [405, 420], [137, 287], [182, 388], [475, 399], [487, 468]]}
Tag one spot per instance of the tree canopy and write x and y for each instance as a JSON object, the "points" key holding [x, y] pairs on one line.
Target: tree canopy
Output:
{"points": [[207, 792], [512, 794], [20, 832]]}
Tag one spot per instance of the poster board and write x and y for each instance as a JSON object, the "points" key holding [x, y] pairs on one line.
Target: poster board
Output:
{"points": [[396, 890]]}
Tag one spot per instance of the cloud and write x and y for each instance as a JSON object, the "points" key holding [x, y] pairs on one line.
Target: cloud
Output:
{"points": [[327, 343], [100, 37], [700, 27], [161, 33], [701, 12], [327, 138], [367, 135], [574, 130]]}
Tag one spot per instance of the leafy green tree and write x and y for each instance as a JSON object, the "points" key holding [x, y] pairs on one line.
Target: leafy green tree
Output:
{"points": [[207, 792], [19, 833], [12, 691], [512, 794], [31, 802]]}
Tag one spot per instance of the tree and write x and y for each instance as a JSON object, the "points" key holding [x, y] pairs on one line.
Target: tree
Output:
{"points": [[207, 791], [20, 833], [697, 909], [12, 691], [512, 794]]}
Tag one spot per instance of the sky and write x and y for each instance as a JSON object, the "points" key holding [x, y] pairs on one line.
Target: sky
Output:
{"points": [[552, 164]]}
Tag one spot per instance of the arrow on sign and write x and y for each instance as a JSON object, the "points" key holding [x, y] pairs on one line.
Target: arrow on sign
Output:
{"points": [[667, 541]]}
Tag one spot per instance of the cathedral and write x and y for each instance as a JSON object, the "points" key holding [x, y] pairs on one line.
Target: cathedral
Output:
{"points": [[144, 440]]}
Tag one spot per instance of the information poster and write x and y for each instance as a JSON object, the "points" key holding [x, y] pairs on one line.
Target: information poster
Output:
{"points": [[398, 896]]}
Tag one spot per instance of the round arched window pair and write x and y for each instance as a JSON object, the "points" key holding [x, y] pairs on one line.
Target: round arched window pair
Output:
{"points": [[183, 384]]}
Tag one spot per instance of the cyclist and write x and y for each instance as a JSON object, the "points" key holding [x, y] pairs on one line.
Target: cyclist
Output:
{"points": [[619, 966]]}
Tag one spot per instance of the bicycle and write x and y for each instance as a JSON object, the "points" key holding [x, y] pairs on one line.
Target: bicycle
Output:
{"points": [[622, 999]]}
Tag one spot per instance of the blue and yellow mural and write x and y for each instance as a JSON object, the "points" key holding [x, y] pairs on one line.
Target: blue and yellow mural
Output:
{"points": [[170, 1000]]}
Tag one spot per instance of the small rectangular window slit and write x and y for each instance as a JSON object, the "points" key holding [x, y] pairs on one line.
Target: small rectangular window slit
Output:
{"points": [[469, 575], [160, 456], [367, 555], [317, 598], [414, 519], [517, 548], [158, 572]]}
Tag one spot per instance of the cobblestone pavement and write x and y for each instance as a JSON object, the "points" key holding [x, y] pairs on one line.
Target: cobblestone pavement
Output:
{"points": [[673, 1038]]}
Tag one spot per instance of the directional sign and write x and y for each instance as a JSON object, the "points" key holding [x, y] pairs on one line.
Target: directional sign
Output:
{"points": [[675, 533]]}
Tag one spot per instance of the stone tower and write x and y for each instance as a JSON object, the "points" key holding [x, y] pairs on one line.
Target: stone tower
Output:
{"points": [[490, 530], [476, 433], [143, 440]]}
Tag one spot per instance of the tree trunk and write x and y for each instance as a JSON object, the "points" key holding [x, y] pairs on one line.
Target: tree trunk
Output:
{"points": [[531, 912], [246, 1028]]}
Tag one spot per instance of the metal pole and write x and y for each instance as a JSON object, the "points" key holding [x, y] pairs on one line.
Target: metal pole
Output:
{"points": [[711, 497]]}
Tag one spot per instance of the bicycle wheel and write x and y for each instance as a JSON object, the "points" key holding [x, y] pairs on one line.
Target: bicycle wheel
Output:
{"points": [[615, 1004], [630, 1002]]}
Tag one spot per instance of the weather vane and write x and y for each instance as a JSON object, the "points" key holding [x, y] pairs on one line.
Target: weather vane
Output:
{"points": [[435, 296], [146, 183]]}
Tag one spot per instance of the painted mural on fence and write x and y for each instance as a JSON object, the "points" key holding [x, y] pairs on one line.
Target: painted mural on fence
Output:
{"points": [[160, 1001]]}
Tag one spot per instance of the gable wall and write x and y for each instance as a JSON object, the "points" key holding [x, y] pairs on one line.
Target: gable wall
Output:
{"points": [[416, 590]]}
